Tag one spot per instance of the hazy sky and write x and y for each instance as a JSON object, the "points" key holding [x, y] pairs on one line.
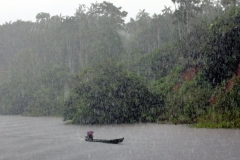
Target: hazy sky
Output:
{"points": [[26, 10]]}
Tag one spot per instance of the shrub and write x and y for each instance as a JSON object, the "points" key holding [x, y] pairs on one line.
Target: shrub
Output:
{"points": [[188, 103]]}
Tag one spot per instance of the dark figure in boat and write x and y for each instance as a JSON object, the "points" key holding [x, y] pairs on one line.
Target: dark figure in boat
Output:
{"points": [[89, 136]]}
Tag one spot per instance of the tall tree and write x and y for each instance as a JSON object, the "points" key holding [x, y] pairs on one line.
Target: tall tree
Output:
{"points": [[184, 11], [42, 17]]}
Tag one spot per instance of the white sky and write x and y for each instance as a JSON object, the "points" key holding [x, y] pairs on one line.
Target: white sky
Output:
{"points": [[26, 10]]}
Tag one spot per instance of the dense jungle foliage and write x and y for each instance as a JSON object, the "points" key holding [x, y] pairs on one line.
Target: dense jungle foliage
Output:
{"points": [[179, 66]]}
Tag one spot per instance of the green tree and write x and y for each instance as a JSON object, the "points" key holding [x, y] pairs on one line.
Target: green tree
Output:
{"points": [[42, 17], [108, 94], [185, 12], [222, 49]]}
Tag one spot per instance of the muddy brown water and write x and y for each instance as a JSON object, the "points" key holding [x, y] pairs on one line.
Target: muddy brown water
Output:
{"points": [[48, 138]]}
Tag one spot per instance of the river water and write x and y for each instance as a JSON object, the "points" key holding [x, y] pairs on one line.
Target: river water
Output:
{"points": [[48, 138]]}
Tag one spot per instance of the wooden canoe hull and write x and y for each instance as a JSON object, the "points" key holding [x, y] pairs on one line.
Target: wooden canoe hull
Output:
{"points": [[112, 141]]}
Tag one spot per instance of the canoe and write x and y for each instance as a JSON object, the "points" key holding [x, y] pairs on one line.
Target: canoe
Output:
{"points": [[112, 141]]}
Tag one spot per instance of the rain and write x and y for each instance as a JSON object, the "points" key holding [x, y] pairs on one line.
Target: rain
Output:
{"points": [[97, 86]]}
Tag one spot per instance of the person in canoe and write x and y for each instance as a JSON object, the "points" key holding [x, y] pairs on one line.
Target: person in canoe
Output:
{"points": [[89, 135]]}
